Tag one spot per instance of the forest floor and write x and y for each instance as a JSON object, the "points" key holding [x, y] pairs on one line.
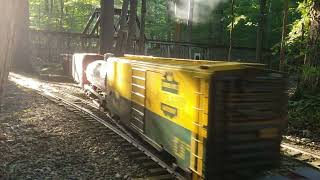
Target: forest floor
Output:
{"points": [[41, 140]]}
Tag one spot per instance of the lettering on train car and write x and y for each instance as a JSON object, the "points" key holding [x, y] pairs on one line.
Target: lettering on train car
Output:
{"points": [[169, 110], [180, 148], [268, 133], [169, 84]]}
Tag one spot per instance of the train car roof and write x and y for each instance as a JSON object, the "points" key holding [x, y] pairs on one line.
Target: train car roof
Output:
{"points": [[188, 64], [185, 61]]}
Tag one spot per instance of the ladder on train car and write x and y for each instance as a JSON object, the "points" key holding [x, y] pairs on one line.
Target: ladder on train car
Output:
{"points": [[197, 139], [138, 99]]}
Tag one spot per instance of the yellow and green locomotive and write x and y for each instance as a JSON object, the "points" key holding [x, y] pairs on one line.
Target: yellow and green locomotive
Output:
{"points": [[216, 118]]}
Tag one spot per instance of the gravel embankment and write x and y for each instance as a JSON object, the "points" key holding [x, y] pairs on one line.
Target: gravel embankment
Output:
{"points": [[41, 140]]}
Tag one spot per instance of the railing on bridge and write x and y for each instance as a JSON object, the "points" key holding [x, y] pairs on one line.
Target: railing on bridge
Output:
{"points": [[199, 51], [48, 46]]}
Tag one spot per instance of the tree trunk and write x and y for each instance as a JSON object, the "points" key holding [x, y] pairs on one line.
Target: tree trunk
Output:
{"points": [[190, 27], [142, 25], [231, 31], [106, 26], [284, 35], [177, 30], [7, 36], [190, 20], [51, 7], [313, 56], [21, 56], [216, 28], [61, 14], [169, 33], [46, 5], [122, 35], [260, 32], [132, 26], [177, 38]]}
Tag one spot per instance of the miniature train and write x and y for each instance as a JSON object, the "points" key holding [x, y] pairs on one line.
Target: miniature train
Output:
{"points": [[215, 118]]}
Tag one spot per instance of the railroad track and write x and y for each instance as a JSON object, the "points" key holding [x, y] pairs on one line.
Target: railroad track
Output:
{"points": [[306, 156], [156, 167]]}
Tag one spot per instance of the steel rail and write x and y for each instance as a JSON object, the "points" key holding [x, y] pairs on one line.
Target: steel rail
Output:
{"points": [[51, 96], [287, 146], [118, 132], [97, 108], [312, 161]]}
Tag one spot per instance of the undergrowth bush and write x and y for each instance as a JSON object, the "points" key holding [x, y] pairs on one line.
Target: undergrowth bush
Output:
{"points": [[304, 105], [304, 113], [310, 78]]}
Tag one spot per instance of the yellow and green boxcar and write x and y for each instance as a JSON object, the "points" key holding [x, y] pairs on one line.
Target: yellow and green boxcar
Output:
{"points": [[216, 118]]}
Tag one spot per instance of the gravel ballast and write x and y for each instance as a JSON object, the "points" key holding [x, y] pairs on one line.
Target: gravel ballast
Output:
{"points": [[42, 140]]}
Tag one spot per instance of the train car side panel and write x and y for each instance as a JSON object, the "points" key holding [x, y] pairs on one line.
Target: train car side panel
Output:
{"points": [[176, 107], [158, 101], [118, 89], [174, 104]]}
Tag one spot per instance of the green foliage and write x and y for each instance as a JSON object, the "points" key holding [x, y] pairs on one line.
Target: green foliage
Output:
{"points": [[296, 42], [304, 113], [64, 15], [245, 22], [310, 80], [310, 72], [299, 30], [304, 106], [160, 23]]}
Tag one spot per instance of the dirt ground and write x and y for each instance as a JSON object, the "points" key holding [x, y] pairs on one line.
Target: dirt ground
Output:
{"points": [[41, 140]]}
